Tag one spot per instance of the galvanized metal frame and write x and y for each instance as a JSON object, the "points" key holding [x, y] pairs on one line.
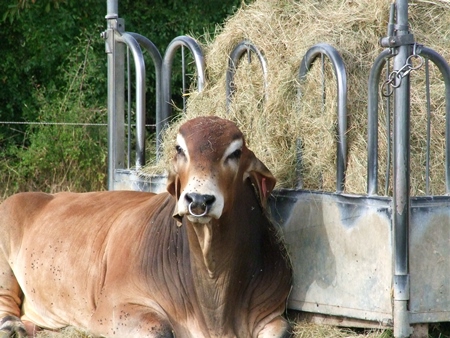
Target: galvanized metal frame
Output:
{"points": [[393, 215], [115, 40], [401, 167], [401, 44]]}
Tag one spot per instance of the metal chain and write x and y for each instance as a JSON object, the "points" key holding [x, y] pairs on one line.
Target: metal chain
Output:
{"points": [[390, 84]]}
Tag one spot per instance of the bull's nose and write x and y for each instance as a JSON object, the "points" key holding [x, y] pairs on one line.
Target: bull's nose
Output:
{"points": [[199, 204]]}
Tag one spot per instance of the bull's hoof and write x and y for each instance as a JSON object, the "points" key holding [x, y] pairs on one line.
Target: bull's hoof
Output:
{"points": [[12, 327]]}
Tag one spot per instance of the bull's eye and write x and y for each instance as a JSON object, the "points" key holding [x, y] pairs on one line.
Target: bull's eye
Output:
{"points": [[179, 150], [235, 155]]}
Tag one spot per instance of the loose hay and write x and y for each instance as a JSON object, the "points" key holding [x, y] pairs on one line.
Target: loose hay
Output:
{"points": [[284, 31], [68, 332], [300, 330], [310, 330]]}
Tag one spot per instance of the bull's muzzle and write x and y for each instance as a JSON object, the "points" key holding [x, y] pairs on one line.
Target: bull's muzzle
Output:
{"points": [[199, 204]]}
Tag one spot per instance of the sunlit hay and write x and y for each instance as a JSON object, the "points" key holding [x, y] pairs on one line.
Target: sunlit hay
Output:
{"points": [[68, 332], [294, 121], [304, 329], [317, 115]]}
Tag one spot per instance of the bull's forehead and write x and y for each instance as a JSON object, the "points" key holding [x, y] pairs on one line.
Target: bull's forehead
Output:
{"points": [[209, 135]]}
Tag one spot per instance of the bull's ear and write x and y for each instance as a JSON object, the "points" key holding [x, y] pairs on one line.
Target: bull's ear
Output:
{"points": [[173, 184], [173, 187], [262, 179]]}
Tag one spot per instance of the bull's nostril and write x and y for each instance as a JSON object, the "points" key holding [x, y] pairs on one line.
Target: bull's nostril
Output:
{"points": [[209, 199], [189, 198]]}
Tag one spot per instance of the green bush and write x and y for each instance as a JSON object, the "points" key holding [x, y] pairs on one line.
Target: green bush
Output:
{"points": [[70, 153], [40, 82]]}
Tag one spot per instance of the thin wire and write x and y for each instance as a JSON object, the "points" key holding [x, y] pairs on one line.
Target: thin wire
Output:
{"points": [[76, 124], [55, 123]]}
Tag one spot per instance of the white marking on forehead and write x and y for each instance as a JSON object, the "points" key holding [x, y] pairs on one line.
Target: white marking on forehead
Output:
{"points": [[235, 145], [181, 142]]}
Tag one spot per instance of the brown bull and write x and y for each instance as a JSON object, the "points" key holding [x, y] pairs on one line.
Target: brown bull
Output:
{"points": [[200, 261]]}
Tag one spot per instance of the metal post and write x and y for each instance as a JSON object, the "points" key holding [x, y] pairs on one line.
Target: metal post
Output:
{"points": [[401, 194], [116, 100]]}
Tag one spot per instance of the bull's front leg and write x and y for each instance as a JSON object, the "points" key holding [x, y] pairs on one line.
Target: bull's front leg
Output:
{"points": [[12, 326], [10, 302], [130, 320], [277, 327]]}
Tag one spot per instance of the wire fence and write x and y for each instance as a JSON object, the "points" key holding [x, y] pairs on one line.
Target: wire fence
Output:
{"points": [[80, 124], [76, 124]]}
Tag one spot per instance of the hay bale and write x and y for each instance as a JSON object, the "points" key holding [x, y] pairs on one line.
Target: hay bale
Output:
{"points": [[284, 31]]}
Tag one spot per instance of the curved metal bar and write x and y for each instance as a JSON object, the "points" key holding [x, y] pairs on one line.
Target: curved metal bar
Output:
{"points": [[444, 68], [199, 60], [157, 62], [237, 53], [139, 64], [341, 77], [428, 131], [372, 128]]}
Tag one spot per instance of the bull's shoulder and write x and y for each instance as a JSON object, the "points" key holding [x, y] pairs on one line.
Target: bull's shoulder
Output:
{"points": [[16, 213], [24, 204], [120, 195], [27, 197], [32, 207], [109, 208]]}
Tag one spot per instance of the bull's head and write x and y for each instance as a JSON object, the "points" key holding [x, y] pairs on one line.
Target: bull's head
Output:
{"points": [[211, 162]]}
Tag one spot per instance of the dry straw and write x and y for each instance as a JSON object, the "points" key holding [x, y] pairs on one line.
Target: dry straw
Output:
{"points": [[284, 30], [301, 330], [311, 330]]}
